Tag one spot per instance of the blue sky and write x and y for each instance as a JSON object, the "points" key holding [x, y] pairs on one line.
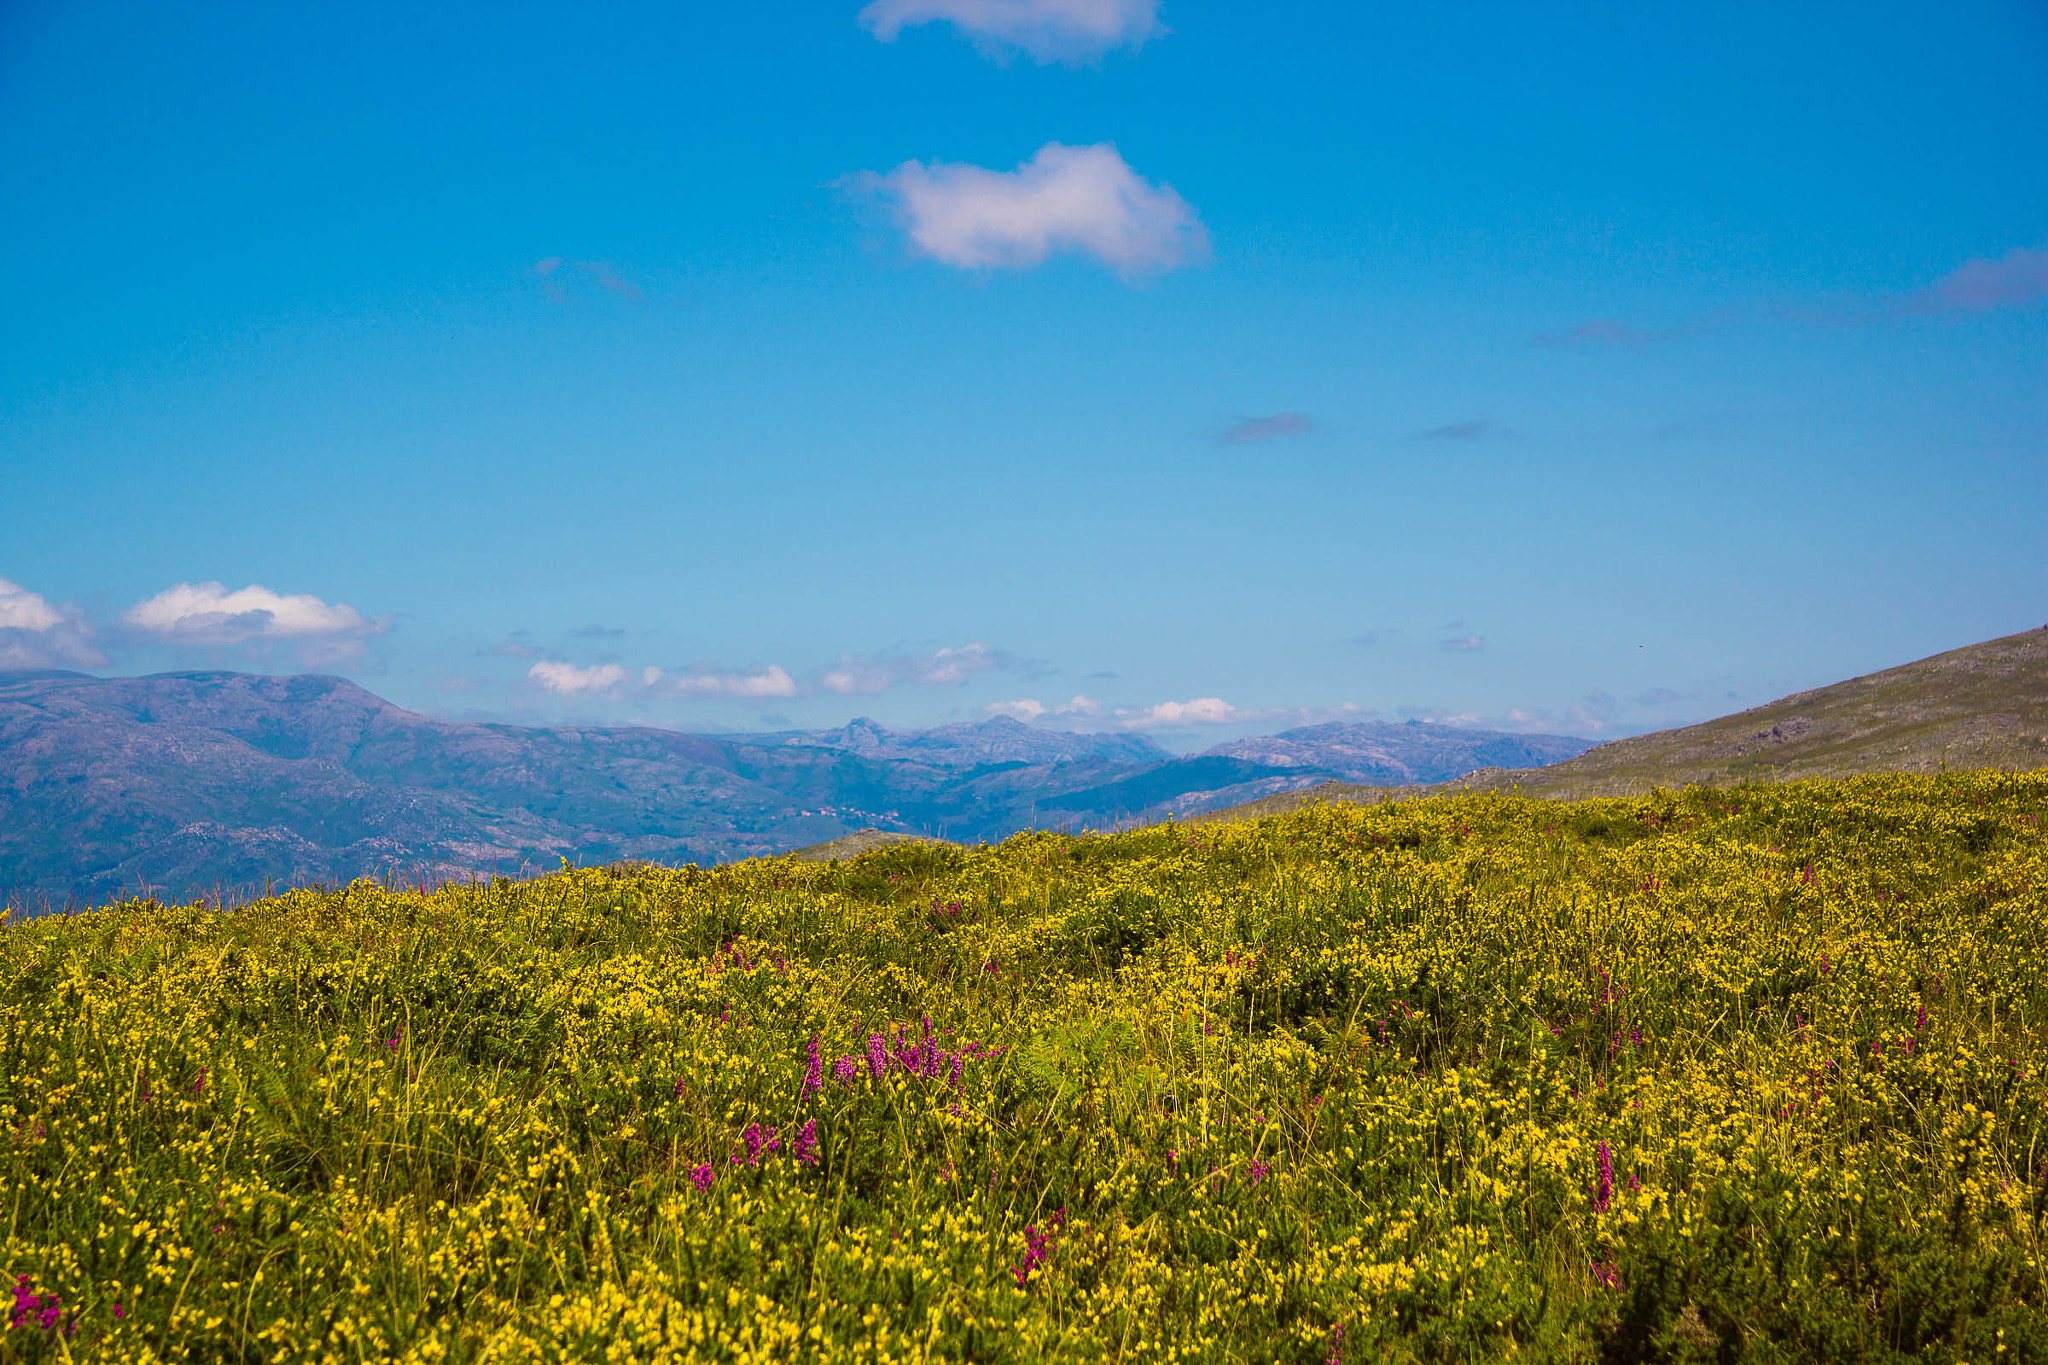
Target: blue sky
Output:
{"points": [[1191, 368]]}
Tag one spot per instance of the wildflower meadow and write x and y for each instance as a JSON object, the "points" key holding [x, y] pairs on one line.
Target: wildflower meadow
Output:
{"points": [[1747, 1074]]}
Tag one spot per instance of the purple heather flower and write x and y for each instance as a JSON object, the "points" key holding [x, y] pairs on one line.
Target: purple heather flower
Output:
{"points": [[958, 1067], [847, 1070], [1336, 1356], [43, 1311], [702, 1177], [1038, 1247], [878, 1056], [1609, 1276], [805, 1146], [392, 1043], [199, 1086], [814, 1069], [1603, 1189], [1258, 1170], [759, 1142]]}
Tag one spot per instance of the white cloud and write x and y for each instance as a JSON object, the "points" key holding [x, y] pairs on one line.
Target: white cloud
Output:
{"points": [[1200, 711], [1030, 709], [35, 634], [949, 667], [568, 680], [209, 614], [1050, 30], [21, 609], [1216, 711], [1083, 200], [771, 681]]}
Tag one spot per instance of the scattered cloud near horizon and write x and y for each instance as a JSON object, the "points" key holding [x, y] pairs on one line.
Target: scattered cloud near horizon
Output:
{"points": [[1069, 31], [1197, 712], [1083, 201], [36, 634], [1276, 426], [1200, 711], [211, 615], [851, 675], [21, 609], [772, 681], [866, 674], [1463, 644], [567, 680], [1030, 709]]}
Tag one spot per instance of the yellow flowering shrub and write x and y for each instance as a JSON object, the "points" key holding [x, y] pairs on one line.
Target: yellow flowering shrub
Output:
{"points": [[1755, 1074]]}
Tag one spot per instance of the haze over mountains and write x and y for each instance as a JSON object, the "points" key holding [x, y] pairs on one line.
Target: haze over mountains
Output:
{"points": [[189, 784]]}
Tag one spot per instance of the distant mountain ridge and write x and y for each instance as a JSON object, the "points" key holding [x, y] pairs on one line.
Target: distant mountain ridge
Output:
{"points": [[967, 745], [1981, 706], [204, 783], [1391, 755]]}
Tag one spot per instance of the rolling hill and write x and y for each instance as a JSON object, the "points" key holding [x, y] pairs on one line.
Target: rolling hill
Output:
{"points": [[1982, 706]]}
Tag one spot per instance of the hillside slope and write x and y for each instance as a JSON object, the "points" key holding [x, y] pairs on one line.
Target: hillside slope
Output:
{"points": [[1981, 706]]}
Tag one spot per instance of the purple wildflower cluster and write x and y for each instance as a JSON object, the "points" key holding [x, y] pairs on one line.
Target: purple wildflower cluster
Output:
{"points": [[38, 1312], [886, 1053], [394, 1042], [1608, 1275], [1603, 1183], [1631, 1037], [814, 1068], [1257, 1171], [1038, 1246], [946, 914], [1336, 1356], [759, 1142]]}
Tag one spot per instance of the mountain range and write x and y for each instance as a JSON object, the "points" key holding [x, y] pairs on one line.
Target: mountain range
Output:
{"points": [[1981, 706], [219, 784]]}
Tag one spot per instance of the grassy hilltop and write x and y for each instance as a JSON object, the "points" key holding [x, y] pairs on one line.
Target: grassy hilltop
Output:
{"points": [[1755, 1074]]}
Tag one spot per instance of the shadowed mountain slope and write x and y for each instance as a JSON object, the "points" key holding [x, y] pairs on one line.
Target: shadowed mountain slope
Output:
{"points": [[1982, 706]]}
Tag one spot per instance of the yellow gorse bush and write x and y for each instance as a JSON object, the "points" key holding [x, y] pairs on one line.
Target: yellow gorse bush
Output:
{"points": [[1749, 1074]]}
